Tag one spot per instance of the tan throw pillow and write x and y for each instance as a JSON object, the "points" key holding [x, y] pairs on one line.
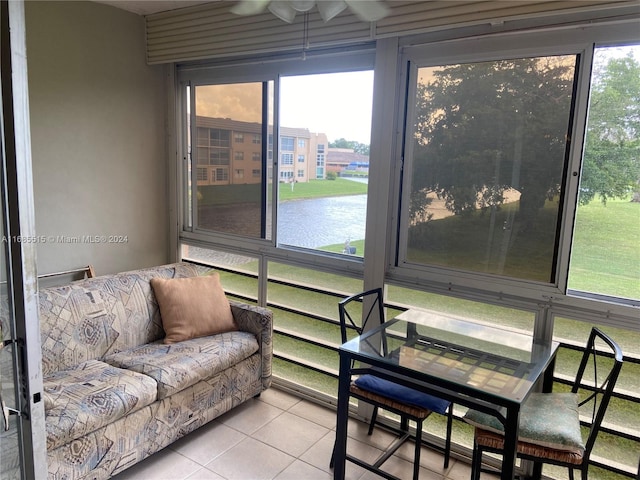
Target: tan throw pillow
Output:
{"points": [[192, 307]]}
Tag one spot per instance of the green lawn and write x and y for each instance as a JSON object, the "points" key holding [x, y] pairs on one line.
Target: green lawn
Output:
{"points": [[321, 188], [605, 257]]}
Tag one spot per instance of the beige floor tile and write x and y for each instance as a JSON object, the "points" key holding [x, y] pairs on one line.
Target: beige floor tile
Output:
{"points": [[208, 442], [319, 455], [316, 413], [164, 465], [402, 469], [461, 471], [379, 438], [251, 459], [279, 398], [299, 470], [291, 434], [204, 474], [429, 458], [250, 416]]}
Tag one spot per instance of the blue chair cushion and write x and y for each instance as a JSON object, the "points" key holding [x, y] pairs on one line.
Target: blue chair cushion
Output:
{"points": [[401, 394]]}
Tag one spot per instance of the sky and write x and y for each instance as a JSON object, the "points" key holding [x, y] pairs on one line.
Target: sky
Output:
{"points": [[338, 104]]}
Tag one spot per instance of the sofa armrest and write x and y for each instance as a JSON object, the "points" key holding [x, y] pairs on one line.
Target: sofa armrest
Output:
{"points": [[259, 321]]}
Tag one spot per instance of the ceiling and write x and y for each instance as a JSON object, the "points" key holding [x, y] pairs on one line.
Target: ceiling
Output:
{"points": [[147, 7]]}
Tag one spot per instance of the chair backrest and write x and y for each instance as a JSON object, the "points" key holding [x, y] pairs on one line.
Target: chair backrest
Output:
{"points": [[602, 360], [358, 310]]}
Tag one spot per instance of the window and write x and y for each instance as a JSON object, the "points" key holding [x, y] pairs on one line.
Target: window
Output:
{"points": [[233, 206], [238, 137], [320, 160], [219, 138], [340, 107], [603, 263], [202, 175], [256, 156], [286, 144], [486, 160], [287, 159], [222, 174], [257, 139], [255, 173], [219, 156]]}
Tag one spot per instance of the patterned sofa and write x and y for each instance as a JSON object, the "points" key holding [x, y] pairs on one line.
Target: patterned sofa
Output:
{"points": [[114, 393]]}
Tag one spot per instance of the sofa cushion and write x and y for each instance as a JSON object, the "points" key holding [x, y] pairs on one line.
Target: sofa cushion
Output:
{"points": [[192, 307], [98, 316], [180, 365], [80, 400]]}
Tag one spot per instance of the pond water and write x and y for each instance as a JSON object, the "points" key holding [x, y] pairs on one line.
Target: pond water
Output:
{"points": [[318, 222]]}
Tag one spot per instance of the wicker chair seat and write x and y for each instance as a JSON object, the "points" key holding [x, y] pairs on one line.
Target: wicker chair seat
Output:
{"points": [[495, 441]]}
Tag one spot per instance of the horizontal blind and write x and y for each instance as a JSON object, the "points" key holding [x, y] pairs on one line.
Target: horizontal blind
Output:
{"points": [[210, 30]]}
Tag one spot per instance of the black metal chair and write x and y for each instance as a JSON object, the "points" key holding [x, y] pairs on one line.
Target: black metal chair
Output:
{"points": [[549, 430], [409, 404]]}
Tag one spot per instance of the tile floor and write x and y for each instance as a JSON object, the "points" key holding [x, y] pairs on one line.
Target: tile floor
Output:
{"points": [[282, 437]]}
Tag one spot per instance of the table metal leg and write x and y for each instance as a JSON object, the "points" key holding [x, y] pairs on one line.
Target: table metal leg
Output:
{"points": [[510, 443], [342, 418]]}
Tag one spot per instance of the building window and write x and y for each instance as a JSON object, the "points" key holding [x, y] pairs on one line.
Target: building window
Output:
{"points": [[238, 137], [202, 174], [287, 158], [238, 155], [302, 143], [320, 148], [320, 160], [239, 173], [219, 156], [300, 158], [219, 138], [255, 173], [300, 173], [256, 156], [222, 174], [257, 138], [286, 144]]}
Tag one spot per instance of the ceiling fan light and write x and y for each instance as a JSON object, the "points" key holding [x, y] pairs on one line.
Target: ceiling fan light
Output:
{"points": [[302, 5], [368, 10], [283, 10], [249, 7], [330, 8]]}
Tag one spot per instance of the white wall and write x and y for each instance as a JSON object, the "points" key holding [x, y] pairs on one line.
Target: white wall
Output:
{"points": [[98, 133]]}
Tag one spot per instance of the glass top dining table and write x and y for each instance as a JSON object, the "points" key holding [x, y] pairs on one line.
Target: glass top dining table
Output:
{"points": [[484, 367]]}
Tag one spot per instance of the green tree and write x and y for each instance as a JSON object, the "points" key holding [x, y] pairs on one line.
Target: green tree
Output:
{"points": [[357, 147], [611, 167], [483, 128]]}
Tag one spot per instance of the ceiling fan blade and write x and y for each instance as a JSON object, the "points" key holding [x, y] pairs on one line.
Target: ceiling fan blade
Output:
{"points": [[368, 10], [330, 8], [249, 7], [283, 10]]}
